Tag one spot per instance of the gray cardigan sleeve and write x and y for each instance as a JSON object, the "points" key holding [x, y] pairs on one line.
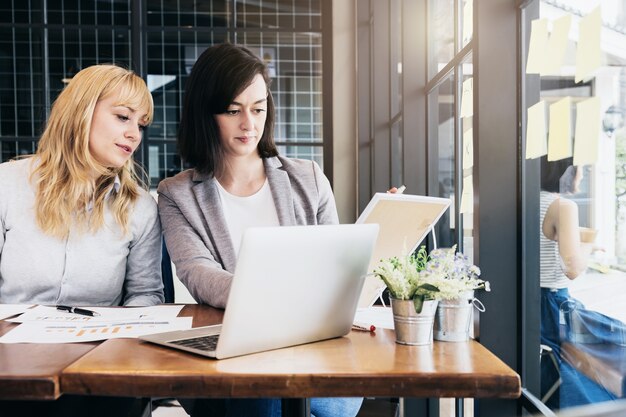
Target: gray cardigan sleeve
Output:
{"points": [[143, 285], [198, 270]]}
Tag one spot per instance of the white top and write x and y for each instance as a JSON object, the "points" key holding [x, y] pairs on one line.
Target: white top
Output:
{"points": [[240, 213], [104, 268], [550, 263]]}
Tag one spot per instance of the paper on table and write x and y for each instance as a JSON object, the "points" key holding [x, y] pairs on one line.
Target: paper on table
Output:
{"points": [[560, 135], [51, 314], [55, 332], [587, 131], [588, 53], [381, 317], [9, 310]]}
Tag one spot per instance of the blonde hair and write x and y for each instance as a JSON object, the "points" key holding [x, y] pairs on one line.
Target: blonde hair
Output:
{"points": [[64, 167]]}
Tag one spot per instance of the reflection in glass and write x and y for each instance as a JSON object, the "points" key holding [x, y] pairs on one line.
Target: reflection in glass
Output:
{"points": [[442, 170], [440, 34], [467, 167], [582, 290]]}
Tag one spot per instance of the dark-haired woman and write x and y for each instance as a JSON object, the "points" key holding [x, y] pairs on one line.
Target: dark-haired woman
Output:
{"points": [[238, 180], [564, 257]]}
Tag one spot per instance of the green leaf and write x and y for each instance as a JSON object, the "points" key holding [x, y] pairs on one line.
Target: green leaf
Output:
{"points": [[418, 303], [429, 287]]}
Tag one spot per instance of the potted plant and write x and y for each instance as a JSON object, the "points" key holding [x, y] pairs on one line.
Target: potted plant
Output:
{"points": [[456, 279], [413, 298]]}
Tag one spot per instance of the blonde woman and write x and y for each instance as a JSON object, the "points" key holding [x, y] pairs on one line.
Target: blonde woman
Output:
{"points": [[76, 228]]}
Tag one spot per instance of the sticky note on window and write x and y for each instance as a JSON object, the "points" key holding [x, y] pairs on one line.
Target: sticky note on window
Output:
{"points": [[588, 52], [467, 197], [587, 131], [467, 98], [560, 133], [538, 46], [557, 46], [536, 139], [468, 23], [468, 148]]}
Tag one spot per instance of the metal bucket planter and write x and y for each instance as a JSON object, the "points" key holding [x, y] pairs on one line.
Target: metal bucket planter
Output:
{"points": [[454, 317], [412, 328]]}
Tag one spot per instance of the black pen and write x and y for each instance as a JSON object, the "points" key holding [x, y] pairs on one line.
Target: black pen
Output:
{"points": [[77, 310]]}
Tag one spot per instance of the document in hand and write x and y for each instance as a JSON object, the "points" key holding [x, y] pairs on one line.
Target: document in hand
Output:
{"points": [[404, 222]]}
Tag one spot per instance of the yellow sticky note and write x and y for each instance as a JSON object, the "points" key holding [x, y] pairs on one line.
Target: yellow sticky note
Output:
{"points": [[467, 197], [587, 131], [588, 52], [560, 133], [467, 98], [468, 148], [536, 140], [538, 47], [557, 46], [468, 24]]}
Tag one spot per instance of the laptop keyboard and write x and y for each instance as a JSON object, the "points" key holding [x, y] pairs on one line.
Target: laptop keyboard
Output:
{"points": [[205, 343]]}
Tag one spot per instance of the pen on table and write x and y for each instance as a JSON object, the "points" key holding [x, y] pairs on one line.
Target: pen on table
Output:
{"points": [[364, 327], [76, 310]]}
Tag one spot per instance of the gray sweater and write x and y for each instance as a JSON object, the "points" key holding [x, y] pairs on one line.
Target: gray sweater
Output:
{"points": [[196, 232], [102, 268]]}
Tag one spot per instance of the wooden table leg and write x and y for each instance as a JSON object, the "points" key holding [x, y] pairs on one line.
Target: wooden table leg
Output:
{"points": [[296, 407]]}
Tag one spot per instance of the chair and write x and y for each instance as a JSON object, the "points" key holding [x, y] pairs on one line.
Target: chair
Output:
{"points": [[546, 351], [166, 272]]}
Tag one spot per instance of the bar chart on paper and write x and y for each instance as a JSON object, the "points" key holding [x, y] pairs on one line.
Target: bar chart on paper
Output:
{"points": [[45, 324], [43, 332]]}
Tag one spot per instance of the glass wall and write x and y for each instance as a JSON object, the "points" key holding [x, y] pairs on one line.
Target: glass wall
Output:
{"points": [[575, 133], [450, 104], [40, 58]]}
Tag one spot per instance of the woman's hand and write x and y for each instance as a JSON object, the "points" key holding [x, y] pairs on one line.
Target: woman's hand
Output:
{"points": [[394, 190]]}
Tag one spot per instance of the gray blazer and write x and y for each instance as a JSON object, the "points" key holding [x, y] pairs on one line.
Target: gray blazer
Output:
{"points": [[196, 233]]}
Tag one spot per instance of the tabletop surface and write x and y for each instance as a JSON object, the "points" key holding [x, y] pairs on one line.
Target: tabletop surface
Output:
{"points": [[361, 363], [31, 371]]}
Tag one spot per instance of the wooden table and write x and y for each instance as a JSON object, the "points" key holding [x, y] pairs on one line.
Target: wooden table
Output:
{"points": [[32, 371], [360, 364]]}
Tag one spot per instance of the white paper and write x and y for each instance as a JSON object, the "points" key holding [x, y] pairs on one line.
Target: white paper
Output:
{"points": [[107, 314], [381, 317], [468, 148], [467, 98], [467, 196], [468, 23], [9, 310], [68, 332]]}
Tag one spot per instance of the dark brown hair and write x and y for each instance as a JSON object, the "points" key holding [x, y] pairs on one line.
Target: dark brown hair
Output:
{"points": [[219, 75]]}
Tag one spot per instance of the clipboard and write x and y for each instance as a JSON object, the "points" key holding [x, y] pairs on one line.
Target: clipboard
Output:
{"points": [[404, 221]]}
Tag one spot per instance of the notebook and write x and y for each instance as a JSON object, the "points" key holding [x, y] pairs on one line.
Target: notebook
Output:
{"points": [[292, 285], [404, 222]]}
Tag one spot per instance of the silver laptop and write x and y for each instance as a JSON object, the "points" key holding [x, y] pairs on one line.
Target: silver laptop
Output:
{"points": [[292, 285]]}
